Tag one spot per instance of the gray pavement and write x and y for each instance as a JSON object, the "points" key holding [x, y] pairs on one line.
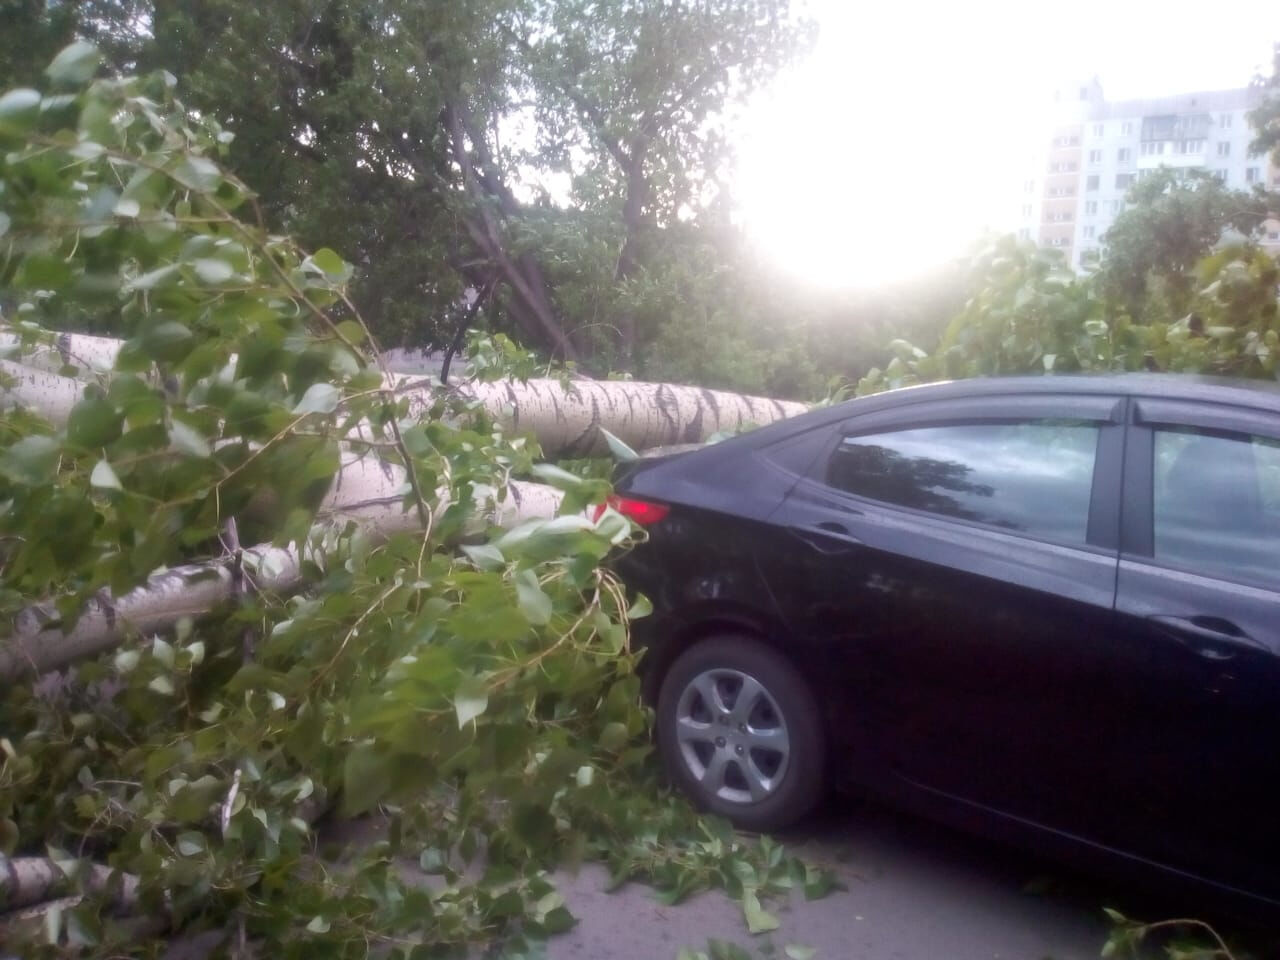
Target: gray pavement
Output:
{"points": [[915, 892]]}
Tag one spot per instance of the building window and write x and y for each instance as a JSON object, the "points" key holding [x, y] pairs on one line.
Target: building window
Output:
{"points": [[1089, 232], [1097, 129], [1116, 207], [1029, 186], [1224, 121], [1224, 149], [1057, 241], [1126, 129], [1024, 233], [1026, 209], [1251, 175], [1091, 183], [1123, 154], [1123, 180], [1221, 175], [1153, 148], [1191, 146], [1095, 156], [1273, 234], [1090, 207]]}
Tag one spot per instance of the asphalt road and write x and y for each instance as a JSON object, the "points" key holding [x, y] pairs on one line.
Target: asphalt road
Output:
{"points": [[916, 891]]}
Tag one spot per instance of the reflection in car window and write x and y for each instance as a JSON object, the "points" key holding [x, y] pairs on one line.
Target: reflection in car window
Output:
{"points": [[1033, 477], [1217, 504]]}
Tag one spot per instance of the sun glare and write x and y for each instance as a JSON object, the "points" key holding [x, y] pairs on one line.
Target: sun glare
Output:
{"points": [[910, 128]]}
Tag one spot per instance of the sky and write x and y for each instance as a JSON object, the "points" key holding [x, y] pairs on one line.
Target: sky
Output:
{"points": [[906, 132]]}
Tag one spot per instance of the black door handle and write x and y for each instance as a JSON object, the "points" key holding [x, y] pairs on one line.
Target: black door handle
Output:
{"points": [[1210, 637], [829, 538]]}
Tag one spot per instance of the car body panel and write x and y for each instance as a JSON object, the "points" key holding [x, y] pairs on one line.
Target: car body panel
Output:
{"points": [[1008, 684]]}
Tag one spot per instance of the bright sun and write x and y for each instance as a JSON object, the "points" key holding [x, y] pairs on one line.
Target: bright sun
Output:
{"points": [[909, 130], [862, 166]]}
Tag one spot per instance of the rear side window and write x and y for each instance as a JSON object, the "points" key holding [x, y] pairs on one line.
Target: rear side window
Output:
{"points": [[1217, 504], [1033, 477]]}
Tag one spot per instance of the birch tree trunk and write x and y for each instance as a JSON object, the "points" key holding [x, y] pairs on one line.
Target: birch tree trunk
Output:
{"points": [[567, 417]]}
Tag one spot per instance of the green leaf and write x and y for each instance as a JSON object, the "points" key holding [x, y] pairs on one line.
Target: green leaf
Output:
{"points": [[758, 919], [197, 173], [318, 925], [724, 950], [557, 476], [94, 422], [31, 461], [161, 685], [19, 109], [319, 398], [614, 736], [485, 556], [210, 270], [641, 608], [533, 602], [186, 439], [796, 951], [470, 700], [74, 65], [352, 331], [621, 452], [190, 843], [4, 223], [152, 278], [366, 778], [127, 207], [329, 262], [103, 477], [170, 341]]}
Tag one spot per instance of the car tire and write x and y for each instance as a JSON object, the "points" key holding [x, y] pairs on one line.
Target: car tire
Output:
{"points": [[761, 762]]}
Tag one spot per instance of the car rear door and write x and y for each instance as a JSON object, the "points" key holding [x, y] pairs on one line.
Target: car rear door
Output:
{"points": [[1199, 591], [955, 562]]}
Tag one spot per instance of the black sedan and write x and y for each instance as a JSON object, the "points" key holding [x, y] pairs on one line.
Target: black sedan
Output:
{"points": [[1047, 609]]}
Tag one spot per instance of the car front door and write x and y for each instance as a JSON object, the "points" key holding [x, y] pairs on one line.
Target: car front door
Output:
{"points": [[1199, 590], [955, 562]]}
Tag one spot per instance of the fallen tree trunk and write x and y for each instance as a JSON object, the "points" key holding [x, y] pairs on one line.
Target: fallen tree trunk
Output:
{"points": [[567, 417], [40, 644], [25, 881]]}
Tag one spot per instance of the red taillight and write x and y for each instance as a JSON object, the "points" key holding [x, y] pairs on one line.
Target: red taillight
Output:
{"points": [[641, 511]]}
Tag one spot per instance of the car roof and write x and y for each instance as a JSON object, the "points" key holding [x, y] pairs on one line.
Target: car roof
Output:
{"points": [[1264, 394]]}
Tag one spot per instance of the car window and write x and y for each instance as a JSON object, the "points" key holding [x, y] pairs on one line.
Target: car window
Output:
{"points": [[1033, 477], [1217, 504]]}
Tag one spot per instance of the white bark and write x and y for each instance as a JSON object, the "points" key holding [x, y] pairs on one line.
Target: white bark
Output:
{"points": [[50, 395], [370, 496], [566, 417], [29, 880], [90, 354]]}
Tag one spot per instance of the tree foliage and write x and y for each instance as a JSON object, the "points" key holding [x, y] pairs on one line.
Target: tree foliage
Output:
{"points": [[1181, 285], [474, 684], [1265, 117], [1171, 222], [537, 152]]}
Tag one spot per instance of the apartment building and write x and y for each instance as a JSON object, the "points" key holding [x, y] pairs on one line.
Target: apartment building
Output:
{"points": [[1098, 149]]}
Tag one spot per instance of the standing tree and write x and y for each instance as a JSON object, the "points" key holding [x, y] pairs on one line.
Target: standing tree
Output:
{"points": [[1172, 220], [537, 151]]}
